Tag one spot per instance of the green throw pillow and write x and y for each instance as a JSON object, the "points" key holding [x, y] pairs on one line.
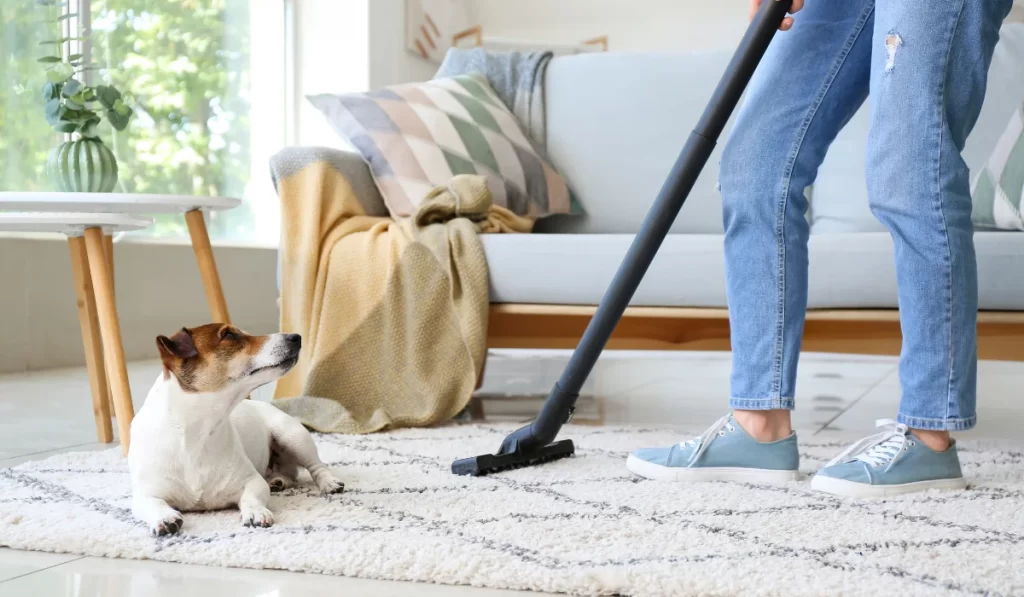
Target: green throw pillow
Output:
{"points": [[999, 186]]}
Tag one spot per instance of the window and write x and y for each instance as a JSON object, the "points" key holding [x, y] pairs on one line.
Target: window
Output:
{"points": [[206, 79]]}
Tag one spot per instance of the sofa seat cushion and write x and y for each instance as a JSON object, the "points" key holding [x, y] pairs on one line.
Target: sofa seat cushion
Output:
{"points": [[846, 270]]}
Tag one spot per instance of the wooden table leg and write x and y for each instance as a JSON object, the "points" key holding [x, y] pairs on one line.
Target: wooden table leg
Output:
{"points": [[89, 322], [110, 328], [108, 248], [207, 266]]}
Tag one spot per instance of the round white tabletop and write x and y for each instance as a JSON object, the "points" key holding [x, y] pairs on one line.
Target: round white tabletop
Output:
{"points": [[71, 224], [123, 203]]}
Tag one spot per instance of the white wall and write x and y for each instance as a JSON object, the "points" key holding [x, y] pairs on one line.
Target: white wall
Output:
{"points": [[332, 55], [390, 62], [346, 46], [632, 25], [158, 291]]}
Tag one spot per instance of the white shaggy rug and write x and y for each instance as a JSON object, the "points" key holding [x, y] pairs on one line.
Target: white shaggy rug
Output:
{"points": [[581, 526]]}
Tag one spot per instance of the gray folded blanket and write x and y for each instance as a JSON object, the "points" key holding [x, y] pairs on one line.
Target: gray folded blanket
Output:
{"points": [[517, 77]]}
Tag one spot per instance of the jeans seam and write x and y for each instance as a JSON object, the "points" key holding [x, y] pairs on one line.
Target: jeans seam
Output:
{"points": [[942, 214], [780, 216], [947, 424], [774, 402]]}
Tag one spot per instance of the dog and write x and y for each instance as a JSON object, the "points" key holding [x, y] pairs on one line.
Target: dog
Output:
{"points": [[197, 444]]}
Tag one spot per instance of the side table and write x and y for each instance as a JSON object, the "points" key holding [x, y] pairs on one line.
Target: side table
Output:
{"points": [[97, 309], [190, 207]]}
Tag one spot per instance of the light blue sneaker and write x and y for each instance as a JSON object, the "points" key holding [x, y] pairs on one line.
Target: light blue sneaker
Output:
{"points": [[891, 462], [722, 453]]}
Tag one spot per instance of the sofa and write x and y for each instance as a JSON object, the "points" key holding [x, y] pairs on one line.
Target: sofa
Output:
{"points": [[615, 125]]}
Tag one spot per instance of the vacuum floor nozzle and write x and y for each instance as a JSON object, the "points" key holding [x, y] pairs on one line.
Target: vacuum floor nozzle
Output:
{"points": [[486, 464]]}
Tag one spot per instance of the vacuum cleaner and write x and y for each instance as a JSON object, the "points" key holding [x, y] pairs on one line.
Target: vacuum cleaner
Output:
{"points": [[531, 444]]}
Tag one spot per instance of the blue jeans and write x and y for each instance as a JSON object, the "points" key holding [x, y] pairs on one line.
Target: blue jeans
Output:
{"points": [[925, 63]]}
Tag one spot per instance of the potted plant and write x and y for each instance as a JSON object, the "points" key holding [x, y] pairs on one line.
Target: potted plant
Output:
{"points": [[84, 163]]}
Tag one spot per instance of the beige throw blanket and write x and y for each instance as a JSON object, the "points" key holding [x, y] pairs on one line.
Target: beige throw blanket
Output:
{"points": [[393, 314]]}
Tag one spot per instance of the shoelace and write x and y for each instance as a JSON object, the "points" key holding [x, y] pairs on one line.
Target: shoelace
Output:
{"points": [[880, 449], [705, 439]]}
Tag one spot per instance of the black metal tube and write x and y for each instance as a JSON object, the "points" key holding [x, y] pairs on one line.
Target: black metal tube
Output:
{"points": [[695, 153]]}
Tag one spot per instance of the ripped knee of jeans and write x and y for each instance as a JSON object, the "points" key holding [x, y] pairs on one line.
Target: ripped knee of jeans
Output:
{"points": [[892, 42]]}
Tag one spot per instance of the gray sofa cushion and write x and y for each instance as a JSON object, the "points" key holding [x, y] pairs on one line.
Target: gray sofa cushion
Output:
{"points": [[689, 270], [616, 123]]}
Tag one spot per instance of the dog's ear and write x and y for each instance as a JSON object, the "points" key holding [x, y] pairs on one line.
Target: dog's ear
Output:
{"points": [[178, 346]]}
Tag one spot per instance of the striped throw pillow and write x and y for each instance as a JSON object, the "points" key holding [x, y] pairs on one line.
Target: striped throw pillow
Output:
{"points": [[418, 136], [998, 189]]}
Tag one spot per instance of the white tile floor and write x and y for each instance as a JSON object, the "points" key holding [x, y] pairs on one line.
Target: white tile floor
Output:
{"points": [[44, 413]]}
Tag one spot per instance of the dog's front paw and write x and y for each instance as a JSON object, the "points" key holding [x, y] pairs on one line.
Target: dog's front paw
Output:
{"points": [[168, 525], [257, 517]]}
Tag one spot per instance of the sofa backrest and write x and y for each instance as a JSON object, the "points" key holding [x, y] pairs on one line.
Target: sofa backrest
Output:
{"points": [[616, 122]]}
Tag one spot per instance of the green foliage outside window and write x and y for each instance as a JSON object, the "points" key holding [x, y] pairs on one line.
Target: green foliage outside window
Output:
{"points": [[183, 66]]}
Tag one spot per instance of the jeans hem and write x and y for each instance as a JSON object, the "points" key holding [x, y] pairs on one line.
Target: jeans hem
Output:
{"points": [[927, 424], [779, 403]]}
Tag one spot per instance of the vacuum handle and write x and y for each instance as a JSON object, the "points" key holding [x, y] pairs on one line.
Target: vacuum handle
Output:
{"points": [[741, 68], [694, 155]]}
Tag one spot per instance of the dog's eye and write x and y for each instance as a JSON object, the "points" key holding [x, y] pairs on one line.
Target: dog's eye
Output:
{"points": [[228, 335]]}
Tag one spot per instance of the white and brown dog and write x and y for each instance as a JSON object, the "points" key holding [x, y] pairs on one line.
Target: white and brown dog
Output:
{"points": [[198, 444]]}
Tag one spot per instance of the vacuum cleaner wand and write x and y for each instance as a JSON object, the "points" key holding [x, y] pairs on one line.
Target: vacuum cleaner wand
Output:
{"points": [[531, 444]]}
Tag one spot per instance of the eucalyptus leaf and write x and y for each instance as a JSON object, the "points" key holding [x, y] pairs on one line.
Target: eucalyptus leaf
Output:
{"points": [[56, 76], [59, 72], [71, 87], [49, 59], [53, 110], [51, 42], [51, 90], [107, 95], [74, 57], [117, 120], [73, 104], [67, 16], [65, 127]]}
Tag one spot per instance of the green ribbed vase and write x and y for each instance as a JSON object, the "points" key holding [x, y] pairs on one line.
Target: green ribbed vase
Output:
{"points": [[82, 166]]}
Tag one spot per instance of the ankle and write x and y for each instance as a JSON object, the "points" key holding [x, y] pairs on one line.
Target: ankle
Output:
{"points": [[938, 441], [765, 425]]}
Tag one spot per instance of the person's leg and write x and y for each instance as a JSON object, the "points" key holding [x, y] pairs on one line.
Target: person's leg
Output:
{"points": [[809, 84], [928, 75], [812, 81]]}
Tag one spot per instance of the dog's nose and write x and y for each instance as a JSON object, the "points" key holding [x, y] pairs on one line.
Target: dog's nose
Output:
{"points": [[293, 339]]}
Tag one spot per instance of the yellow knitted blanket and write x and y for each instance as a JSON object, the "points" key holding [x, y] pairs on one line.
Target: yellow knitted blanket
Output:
{"points": [[393, 314]]}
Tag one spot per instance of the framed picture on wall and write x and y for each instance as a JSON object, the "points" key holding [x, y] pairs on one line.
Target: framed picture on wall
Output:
{"points": [[431, 26]]}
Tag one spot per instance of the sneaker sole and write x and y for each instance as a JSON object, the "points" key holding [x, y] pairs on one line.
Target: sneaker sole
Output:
{"points": [[671, 473], [844, 488]]}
